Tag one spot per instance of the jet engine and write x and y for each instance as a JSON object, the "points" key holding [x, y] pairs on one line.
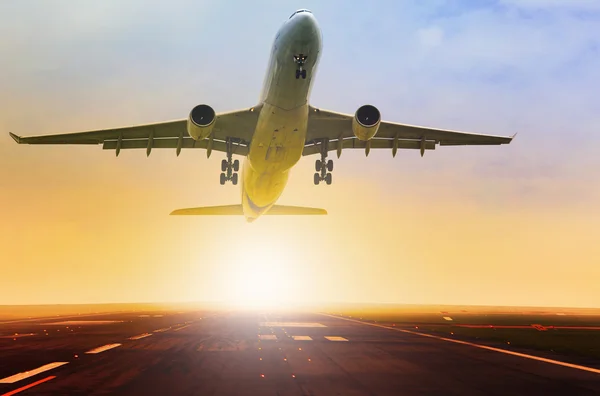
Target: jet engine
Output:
{"points": [[201, 122], [366, 122]]}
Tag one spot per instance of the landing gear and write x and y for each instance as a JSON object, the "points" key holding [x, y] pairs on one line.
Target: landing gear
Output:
{"points": [[229, 167], [322, 166], [300, 59]]}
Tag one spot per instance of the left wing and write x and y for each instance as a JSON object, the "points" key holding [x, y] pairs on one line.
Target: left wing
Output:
{"points": [[236, 127], [335, 131]]}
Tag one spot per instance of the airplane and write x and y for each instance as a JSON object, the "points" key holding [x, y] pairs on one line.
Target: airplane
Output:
{"points": [[273, 135]]}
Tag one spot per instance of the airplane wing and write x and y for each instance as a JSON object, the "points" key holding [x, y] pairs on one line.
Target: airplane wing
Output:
{"points": [[236, 127], [330, 130]]}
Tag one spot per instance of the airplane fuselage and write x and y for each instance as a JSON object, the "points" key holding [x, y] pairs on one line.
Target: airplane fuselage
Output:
{"points": [[280, 133]]}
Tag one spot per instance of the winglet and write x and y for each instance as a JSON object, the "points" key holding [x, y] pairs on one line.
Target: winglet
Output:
{"points": [[15, 137]]}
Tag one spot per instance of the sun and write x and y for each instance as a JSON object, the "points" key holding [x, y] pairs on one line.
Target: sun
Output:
{"points": [[260, 277]]}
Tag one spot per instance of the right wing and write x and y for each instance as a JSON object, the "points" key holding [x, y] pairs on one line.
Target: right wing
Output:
{"points": [[234, 126], [334, 131]]}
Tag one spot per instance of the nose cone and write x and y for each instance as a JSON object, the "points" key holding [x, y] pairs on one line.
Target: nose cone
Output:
{"points": [[305, 25]]}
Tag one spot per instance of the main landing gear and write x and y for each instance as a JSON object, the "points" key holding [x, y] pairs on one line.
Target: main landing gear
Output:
{"points": [[300, 71], [229, 167], [323, 167]]}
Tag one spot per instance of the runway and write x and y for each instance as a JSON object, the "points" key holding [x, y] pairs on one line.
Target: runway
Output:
{"points": [[258, 353]]}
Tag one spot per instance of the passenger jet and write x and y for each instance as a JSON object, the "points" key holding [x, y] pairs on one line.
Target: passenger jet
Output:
{"points": [[277, 132]]}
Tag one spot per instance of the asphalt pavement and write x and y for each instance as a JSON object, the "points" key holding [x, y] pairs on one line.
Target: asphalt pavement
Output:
{"points": [[260, 353]]}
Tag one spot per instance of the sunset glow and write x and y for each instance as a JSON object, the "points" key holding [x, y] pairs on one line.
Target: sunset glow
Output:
{"points": [[507, 225]]}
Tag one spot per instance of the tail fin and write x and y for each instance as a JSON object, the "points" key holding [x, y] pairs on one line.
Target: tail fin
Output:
{"points": [[236, 210]]}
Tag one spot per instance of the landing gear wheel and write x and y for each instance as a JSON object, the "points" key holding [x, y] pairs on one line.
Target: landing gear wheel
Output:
{"points": [[234, 178], [224, 166], [317, 179], [318, 165], [236, 166], [330, 165], [303, 74], [328, 178], [223, 179], [297, 74]]}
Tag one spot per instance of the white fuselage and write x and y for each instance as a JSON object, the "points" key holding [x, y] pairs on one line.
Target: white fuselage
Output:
{"points": [[280, 134]]}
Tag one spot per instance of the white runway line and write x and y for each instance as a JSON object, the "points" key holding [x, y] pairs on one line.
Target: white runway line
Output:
{"points": [[81, 322], [336, 338], [270, 337], [447, 318], [18, 335], [182, 327], [162, 330], [489, 348], [302, 338], [291, 324], [103, 348], [139, 337], [26, 374]]}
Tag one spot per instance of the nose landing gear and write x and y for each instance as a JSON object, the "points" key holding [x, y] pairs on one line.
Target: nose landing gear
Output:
{"points": [[229, 167], [300, 59]]}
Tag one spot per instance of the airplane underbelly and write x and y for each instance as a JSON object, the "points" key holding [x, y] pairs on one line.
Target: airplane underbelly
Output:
{"points": [[279, 138], [276, 146]]}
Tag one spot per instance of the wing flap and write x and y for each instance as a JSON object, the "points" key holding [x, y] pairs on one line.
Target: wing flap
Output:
{"points": [[186, 143], [354, 143]]}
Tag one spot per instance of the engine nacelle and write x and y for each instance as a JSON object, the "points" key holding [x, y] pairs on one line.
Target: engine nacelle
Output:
{"points": [[366, 122], [201, 122]]}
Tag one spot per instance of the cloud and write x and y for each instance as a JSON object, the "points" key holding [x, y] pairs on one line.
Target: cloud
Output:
{"points": [[431, 36], [573, 5]]}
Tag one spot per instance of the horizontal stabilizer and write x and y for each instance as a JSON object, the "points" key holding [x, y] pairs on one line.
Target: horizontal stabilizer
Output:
{"points": [[294, 210], [236, 210]]}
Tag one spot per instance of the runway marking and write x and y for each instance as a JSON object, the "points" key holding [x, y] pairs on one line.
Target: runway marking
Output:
{"points": [[82, 322], [302, 338], [182, 327], [139, 337], [103, 348], [447, 318], [162, 330], [26, 374], [17, 335], [270, 337], [336, 338], [489, 348], [291, 324], [21, 389]]}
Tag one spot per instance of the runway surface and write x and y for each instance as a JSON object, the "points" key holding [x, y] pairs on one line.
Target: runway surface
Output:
{"points": [[259, 353]]}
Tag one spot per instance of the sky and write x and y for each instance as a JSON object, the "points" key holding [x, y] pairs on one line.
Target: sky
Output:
{"points": [[505, 225]]}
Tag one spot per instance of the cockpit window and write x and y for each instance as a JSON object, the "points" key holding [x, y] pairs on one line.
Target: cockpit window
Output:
{"points": [[299, 11]]}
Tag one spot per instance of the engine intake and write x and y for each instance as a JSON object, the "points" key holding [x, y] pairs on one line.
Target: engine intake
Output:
{"points": [[366, 122], [201, 122]]}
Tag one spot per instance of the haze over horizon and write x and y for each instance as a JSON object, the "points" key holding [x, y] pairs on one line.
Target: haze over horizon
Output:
{"points": [[505, 225]]}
